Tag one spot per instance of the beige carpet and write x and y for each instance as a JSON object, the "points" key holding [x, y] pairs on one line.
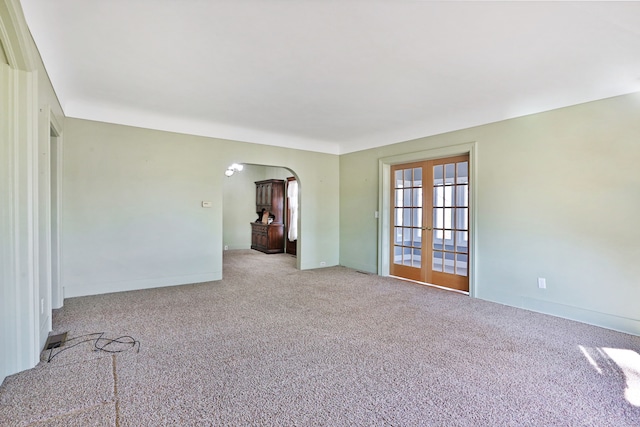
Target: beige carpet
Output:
{"points": [[270, 345]]}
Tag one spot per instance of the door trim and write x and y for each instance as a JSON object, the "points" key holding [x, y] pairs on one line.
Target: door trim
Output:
{"points": [[56, 142], [384, 201]]}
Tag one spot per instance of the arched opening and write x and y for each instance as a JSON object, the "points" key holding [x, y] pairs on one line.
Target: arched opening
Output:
{"points": [[239, 206]]}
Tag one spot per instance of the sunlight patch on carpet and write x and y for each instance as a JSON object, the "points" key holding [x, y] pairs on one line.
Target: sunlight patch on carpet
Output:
{"points": [[612, 361], [629, 362]]}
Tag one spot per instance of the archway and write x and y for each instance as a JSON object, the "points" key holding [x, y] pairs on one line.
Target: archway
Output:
{"points": [[239, 204]]}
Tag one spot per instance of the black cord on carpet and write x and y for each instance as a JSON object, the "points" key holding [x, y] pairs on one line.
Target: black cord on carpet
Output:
{"points": [[99, 343]]}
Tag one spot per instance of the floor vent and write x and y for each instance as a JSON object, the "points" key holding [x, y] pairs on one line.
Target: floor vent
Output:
{"points": [[54, 341]]}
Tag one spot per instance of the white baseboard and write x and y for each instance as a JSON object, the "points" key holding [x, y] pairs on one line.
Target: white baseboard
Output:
{"points": [[591, 317], [44, 330], [583, 315], [133, 285]]}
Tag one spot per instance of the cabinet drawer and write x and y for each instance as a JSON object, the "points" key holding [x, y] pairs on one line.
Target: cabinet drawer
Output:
{"points": [[259, 228]]}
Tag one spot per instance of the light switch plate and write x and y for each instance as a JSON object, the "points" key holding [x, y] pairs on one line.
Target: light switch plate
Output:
{"points": [[206, 204]]}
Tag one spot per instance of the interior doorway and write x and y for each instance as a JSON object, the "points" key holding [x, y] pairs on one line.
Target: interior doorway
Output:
{"points": [[239, 206], [430, 222], [385, 197]]}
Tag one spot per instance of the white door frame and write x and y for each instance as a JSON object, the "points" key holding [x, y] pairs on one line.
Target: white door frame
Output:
{"points": [[19, 260], [56, 148], [19, 263], [384, 201]]}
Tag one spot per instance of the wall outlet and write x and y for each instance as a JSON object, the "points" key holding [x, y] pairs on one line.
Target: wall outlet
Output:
{"points": [[322, 263], [226, 248], [542, 283]]}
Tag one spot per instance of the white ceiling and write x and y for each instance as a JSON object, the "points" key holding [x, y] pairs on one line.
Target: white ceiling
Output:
{"points": [[332, 76]]}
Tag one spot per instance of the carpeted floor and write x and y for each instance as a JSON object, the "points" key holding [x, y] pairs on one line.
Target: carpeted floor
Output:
{"points": [[271, 345]]}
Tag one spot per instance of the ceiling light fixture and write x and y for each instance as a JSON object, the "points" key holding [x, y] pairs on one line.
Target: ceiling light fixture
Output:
{"points": [[236, 167]]}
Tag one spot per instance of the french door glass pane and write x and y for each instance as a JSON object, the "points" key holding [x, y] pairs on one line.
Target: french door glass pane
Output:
{"points": [[397, 233], [397, 255], [462, 193], [449, 173], [462, 243], [406, 198], [406, 259], [399, 198], [417, 177], [406, 220], [437, 239], [449, 264], [437, 175], [437, 261], [461, 219], [407, 177], [438, 218], [406, 239], [398, 217], [417, 197], [438, 197], [463, 173], [449, 195], [417, 217], [417, 237], [448, 217], [417, 257], [398, 179], [448, 240], [461, 264]]}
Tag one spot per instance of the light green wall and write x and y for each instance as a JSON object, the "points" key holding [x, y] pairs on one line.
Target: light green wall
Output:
{"points": [[239, 204], [557, 197], [132, 205]]}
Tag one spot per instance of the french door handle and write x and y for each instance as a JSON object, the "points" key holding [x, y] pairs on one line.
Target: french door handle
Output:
{"points": [[426, 228]]}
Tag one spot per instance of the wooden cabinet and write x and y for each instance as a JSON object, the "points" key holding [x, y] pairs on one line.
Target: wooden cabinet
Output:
{"points": [[269, 238]]}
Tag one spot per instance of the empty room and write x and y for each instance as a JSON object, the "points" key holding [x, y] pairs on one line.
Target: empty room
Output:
{"points": [[295, 213]]}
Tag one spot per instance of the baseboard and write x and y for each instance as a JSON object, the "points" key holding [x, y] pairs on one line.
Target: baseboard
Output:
{"points": [[591, 317], [44, 330], [134, 285], [237, 247], [372, 269]]}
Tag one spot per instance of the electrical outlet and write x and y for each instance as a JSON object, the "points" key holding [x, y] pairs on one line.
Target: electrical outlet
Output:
{"points": [[542, 283], [226, 248], [322, 263]]}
